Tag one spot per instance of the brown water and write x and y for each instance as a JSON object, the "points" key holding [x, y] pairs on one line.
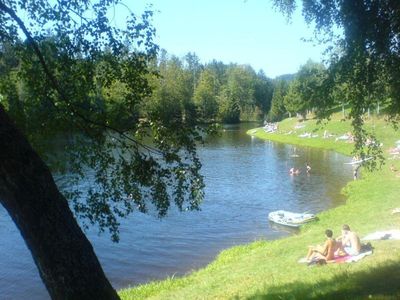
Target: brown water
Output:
{"points": [[246, 178]]}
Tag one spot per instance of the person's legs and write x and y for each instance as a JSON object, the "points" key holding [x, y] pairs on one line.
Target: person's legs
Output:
{"points": [[310, 252], [339, 250], [318, 256], [351, 251], [314, 251]]}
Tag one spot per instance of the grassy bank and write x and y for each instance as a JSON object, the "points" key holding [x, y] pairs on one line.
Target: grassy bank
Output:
{"points": [[269, 269]]}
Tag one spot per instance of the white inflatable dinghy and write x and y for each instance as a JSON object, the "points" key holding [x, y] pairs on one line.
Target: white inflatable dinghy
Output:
{"points": [[291, 219]]}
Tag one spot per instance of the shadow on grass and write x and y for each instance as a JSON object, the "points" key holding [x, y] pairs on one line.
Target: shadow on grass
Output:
{"points": [[376, 283]]}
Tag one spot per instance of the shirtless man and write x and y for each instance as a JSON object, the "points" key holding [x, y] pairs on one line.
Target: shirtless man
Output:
{"points": [[326, 251], [350, 242]]}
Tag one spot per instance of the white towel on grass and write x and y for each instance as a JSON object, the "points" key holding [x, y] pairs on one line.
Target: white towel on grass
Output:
{"points": [[393, 234], [358, 257]]}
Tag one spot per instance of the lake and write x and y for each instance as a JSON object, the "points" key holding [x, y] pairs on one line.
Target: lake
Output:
{"points": [[246, 178]]}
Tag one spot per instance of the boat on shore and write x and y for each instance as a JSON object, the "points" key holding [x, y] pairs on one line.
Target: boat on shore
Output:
{"points": [[291, 219]]}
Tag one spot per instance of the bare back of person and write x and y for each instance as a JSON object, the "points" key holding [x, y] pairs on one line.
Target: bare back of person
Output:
{"points": [[330, 246], [325, 252]]}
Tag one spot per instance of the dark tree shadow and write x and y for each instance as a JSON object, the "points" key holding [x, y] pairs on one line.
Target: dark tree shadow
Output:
{"points": [[378, 283]]}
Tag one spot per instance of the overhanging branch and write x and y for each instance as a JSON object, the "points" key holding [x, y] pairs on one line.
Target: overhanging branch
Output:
{"points": [[56, 86]]}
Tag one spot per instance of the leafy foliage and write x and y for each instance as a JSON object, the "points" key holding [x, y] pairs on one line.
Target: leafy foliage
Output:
{"points": [[77, 74], [263, 90], [210, 92], [304, 91], [205, 95], [278, 109], [364, 56]]}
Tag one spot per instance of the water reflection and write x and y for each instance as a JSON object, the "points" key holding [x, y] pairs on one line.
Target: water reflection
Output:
{"points": [[246, 178]]}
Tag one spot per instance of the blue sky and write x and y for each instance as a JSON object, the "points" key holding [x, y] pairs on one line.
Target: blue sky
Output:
{"points": [[239, 31]]}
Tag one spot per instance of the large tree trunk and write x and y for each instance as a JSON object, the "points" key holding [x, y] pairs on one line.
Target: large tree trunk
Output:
{"points": [[63, 255]]}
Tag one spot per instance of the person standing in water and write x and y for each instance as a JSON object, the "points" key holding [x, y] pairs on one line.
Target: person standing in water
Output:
{"points": [[308, 168], [355, 172]]}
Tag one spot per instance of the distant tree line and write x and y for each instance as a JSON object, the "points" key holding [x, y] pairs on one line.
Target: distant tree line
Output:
{"points": [[209, 92], [184, 88], [181, 88], [314, 88], [230, 93]]}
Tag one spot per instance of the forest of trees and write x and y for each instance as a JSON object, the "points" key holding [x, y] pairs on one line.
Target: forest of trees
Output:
{"points": [[314, 88], [181, 87], [186, 88], [211, 92]]}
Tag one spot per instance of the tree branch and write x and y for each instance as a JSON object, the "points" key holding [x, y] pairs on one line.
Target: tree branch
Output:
{"points": [[56, 86]]}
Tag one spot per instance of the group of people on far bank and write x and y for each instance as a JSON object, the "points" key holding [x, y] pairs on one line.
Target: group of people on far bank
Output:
{"points": [[293, 171], [346, 244]]}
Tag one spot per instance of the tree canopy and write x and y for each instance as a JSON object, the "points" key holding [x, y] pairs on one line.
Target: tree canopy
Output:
{"points": [[75, 73], [364, 50], [211, 92]]}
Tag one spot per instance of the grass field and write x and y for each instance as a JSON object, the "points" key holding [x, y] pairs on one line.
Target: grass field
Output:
{"points": [[269, 269]]}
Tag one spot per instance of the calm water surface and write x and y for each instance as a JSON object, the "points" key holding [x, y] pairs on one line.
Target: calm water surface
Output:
{"points": [[246, 178]]}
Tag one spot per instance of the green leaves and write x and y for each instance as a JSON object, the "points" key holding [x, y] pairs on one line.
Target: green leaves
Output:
{"points": [[278, 109], [364, 55], [304, 91], [78, 87], [205, 95]]}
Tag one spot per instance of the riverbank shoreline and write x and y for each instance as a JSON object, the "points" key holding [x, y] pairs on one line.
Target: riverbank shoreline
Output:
{"points": [[269, 269]]}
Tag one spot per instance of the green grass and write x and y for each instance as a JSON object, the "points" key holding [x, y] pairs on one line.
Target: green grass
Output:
{"points": [[269, 269]]}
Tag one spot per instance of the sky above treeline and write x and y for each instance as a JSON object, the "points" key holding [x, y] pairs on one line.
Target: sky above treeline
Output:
{"points": [[234, 31]]}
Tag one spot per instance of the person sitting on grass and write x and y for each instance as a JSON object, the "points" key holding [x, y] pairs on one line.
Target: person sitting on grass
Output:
{"points": [[325, 252], [349, 242]]}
